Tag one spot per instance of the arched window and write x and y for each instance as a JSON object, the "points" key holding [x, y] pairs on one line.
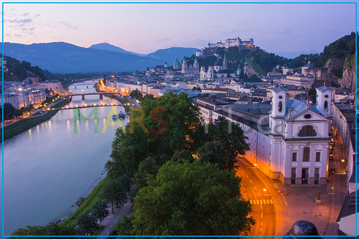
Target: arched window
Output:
{"points": [[326, 105], [280, 106], [306, 131]]}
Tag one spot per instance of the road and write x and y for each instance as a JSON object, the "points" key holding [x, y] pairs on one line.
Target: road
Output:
{"points": [[254, 189], [337, 186], [111, 220]]}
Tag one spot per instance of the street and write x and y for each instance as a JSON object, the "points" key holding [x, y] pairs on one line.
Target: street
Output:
{"points": [[112, 219], [337, 186], [255, 190]]}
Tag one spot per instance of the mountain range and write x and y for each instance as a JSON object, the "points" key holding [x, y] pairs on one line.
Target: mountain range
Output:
{"points": [[61, 57]]}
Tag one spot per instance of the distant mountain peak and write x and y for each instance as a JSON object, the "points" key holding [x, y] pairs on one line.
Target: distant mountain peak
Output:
{"points": [[108, 47]]}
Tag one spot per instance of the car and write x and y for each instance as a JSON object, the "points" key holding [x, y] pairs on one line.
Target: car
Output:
{"points": [[331, 157]]}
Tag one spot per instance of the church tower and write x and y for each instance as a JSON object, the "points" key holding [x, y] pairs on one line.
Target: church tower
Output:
{"points": [[279, 104], [184, 66], [324, 100], [225, 63], [195, 64], [239, 70], [246, 67]]}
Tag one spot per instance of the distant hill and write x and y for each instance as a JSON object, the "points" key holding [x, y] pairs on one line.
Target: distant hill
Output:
{"points": [[61, 57], [18, 71], [292, 55], [109, 47], [170, 54]]}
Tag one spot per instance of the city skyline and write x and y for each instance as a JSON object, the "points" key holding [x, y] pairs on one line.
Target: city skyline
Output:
{"points": [[144, 28]]}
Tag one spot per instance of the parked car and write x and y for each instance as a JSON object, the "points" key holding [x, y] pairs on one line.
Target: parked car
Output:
{"points": [[331, 157]]}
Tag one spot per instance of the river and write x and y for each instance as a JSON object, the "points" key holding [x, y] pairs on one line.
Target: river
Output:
{"points": [[49, 167]]}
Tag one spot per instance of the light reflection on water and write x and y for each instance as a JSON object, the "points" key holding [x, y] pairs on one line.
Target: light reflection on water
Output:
{"points": [[48, 168]]}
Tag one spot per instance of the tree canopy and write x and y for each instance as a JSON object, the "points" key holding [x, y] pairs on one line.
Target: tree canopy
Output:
{"points": [[192, 199]]}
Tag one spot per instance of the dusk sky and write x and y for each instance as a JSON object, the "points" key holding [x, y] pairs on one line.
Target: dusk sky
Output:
{"points": [[145, 28]]}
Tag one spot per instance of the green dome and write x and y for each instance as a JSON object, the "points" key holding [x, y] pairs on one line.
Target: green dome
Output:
{"points": [[176, 63]]}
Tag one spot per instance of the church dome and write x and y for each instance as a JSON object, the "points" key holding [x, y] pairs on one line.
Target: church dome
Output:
{"points": [[176, 63]]}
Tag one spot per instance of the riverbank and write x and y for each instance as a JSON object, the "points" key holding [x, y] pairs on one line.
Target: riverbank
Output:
{"points": [[27, 123], [86, 204]]}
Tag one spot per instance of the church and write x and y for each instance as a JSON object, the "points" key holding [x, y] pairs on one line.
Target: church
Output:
{"points": [[218, 71], [289, 139]]}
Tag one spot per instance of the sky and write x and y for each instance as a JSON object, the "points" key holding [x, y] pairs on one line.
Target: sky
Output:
{"points": [[144, 28]]}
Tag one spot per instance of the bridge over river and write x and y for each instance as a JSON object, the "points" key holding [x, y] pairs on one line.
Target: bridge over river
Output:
{"points": [[82, 106]]}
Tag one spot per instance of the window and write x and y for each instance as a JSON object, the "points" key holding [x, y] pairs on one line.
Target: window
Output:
{"points": [[317, 156], [293, 176], [280, 106], [308, 116], [326, 105], [306, 152], [306, 131], [294, 157]]}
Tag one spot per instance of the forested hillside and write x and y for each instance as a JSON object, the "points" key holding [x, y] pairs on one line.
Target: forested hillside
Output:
{"points": [[18, 71]]}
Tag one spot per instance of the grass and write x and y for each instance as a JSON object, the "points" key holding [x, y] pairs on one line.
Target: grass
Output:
{"points": [[86, 205], [26, 124]]}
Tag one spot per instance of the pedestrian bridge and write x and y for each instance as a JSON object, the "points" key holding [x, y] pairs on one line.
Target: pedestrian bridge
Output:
{"points": [[70, 95], [82, 106]]}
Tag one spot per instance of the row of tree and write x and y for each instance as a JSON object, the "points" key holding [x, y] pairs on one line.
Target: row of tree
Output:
{"points": [[11, 113]]}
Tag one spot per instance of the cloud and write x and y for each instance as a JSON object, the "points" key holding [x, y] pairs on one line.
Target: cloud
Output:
{"points": [[25, 20], [69, 25], [26, 14], [163, 39]]}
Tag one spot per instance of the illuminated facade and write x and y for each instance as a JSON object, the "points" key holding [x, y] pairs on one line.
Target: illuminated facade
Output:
{"points": [[289, 140]]}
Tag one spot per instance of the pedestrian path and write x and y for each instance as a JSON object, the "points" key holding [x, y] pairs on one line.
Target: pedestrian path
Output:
{"points": [[261, 201]]}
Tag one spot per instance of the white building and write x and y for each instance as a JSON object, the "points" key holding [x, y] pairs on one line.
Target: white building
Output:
{"points": [[291, 141]]}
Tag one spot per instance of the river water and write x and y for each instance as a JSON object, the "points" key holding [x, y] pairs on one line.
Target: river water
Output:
{"points": [[49, 167]]}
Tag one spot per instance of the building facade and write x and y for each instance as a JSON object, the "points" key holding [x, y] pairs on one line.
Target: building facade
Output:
{"points": [[289, 142]]}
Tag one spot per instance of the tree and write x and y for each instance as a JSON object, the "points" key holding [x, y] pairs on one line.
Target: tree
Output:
{"points": [[124, 226], [183, 155], [230, 142], [136, 94], [50, 229], [86, 224], [192, 199], [148, 167], [115, 191], [213, 152], [10, 112], [176, 130], [99, 211], [313, 94]]}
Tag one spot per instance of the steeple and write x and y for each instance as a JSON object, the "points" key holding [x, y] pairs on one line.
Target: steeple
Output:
{"points": [[225, 62]]}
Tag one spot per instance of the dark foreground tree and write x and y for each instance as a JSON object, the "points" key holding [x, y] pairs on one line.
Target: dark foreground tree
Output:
{"points": [[86, 224], [231, 142], [115, 191], [51, 229], [192, 199], [124, 227], [99, 211]]}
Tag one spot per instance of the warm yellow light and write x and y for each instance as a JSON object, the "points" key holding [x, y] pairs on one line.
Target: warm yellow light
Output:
{"points": [[343, 160], [264, 190], [255, 165]]}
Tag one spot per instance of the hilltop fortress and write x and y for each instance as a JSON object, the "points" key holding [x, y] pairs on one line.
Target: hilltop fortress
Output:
{"points": [[213, 48]]}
